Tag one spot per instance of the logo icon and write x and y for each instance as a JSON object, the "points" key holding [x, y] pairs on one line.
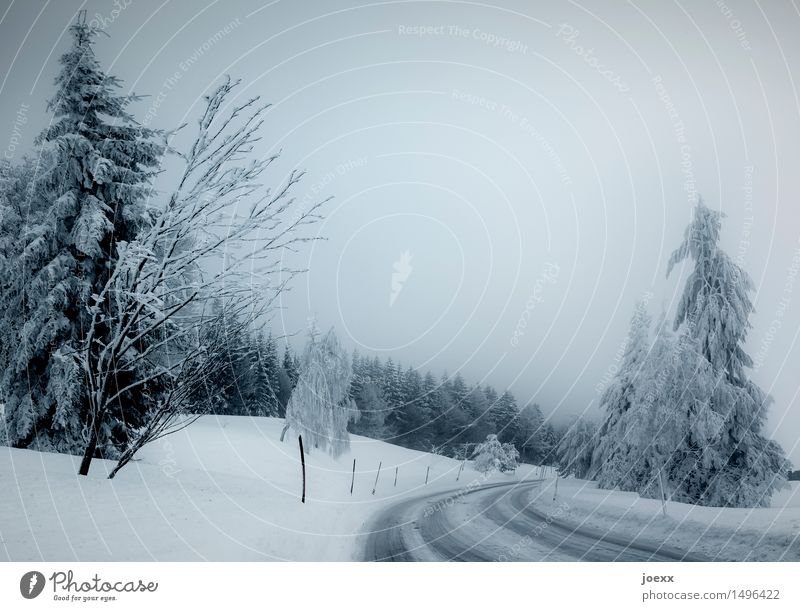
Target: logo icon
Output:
{"points": [[31, 584], [402, 270]]}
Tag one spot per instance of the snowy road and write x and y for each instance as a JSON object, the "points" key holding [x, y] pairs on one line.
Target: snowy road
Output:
{"points": [[496, 522]]}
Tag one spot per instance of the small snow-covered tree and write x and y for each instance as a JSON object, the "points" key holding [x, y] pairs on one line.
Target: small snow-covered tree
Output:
{"points": [[576, 447], [320, 408], [510, 458], [741, 468], [491, 455]]}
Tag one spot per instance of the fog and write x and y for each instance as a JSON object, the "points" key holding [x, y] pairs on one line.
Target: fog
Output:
{"points": [[508, 180]]}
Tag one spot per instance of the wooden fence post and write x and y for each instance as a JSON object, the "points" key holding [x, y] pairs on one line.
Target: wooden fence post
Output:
{"points": [[303, 463], [377, 475]]}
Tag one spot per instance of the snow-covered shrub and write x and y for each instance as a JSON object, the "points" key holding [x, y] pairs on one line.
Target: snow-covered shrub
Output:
{"points": [[510, 457], [491, 455]]}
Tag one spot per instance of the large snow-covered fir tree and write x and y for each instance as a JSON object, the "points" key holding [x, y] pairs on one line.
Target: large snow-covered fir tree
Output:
{"points": [[741, 468], [95, 186], [670, 424], [320, 408]]}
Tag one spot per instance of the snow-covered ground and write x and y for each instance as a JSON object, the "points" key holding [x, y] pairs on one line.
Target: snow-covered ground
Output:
{"points": [[724, 534], [226, 489], [223, 489]]}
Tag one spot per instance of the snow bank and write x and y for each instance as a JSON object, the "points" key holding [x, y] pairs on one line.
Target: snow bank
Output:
{"points": [[223, 489], [771, 534]]}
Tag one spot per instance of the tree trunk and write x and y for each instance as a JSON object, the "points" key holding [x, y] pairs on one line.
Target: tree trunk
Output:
{"points": [[89, 453]]}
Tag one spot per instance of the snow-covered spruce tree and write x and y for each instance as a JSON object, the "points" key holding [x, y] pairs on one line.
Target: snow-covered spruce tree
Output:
{"points": [[269, 368], [291, 366], [504, 415], [320, 408], [372, 408], [576, 447], [22, 203], [532, 435], [742, 468], [96, 187], [611, 452]]}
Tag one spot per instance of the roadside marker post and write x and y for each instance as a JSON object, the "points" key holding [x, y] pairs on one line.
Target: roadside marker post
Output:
{"points": [[377, 475], [663, 496], [303, 463]]}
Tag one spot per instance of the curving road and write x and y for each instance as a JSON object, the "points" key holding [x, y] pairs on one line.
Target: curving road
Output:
{"points": [[496, 522]]}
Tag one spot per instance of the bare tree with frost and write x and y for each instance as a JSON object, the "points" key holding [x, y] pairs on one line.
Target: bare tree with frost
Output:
{"points": [[218, 239]]}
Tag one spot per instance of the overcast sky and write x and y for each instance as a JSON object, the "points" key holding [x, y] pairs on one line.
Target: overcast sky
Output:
{"points": [[523, 169]]}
